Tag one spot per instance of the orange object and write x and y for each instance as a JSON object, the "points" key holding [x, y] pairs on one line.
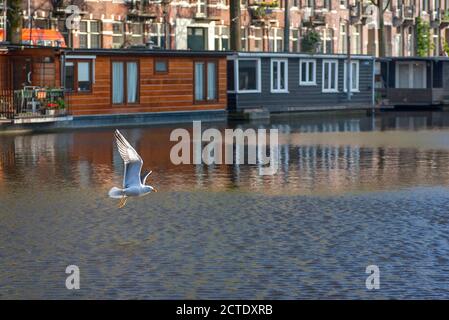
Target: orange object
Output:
{"points": [[40, 37]]}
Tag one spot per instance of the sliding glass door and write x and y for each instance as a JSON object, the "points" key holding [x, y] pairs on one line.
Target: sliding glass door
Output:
{"points": [[206, 83], [125, 82]]}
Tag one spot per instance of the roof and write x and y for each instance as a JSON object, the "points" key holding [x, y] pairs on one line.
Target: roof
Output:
{"points": [[147, 52], [300, 55], [36, 35], [414, 59]]}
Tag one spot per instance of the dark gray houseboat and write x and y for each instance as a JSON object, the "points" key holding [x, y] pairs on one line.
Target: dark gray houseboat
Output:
{"points": [[414, 81], [283, 82]]}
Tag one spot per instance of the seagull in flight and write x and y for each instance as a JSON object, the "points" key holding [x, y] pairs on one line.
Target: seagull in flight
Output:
{"points": [[133, 181]]}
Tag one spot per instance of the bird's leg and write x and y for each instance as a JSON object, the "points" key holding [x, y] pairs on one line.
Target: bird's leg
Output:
{"points": [[122, 202]]}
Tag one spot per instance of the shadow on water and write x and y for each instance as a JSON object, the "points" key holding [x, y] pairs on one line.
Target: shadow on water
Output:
{"points": [[350, 191]]}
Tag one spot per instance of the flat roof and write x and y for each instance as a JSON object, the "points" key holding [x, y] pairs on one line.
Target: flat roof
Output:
{"points": [[145, 52], [253, 54], [413, 58]]}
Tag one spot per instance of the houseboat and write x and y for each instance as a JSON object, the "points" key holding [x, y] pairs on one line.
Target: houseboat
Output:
{"points": [[113, 86], [292, 82], [414, 81]]}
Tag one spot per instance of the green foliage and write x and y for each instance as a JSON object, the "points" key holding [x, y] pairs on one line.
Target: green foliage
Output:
{"points": [[445, 16], [61, 103], [263, 8], [446, 48], [310, 42], [423, 38]]}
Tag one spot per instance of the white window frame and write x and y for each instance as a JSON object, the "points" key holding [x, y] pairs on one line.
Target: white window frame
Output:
{"points": [[259, 76], [277, 35], [256, 38], [159, 34], [410, 74], [88, 33], [308, 62], [345, 77], [201, 8], [278, 80], [329, 61], [221, 35]]}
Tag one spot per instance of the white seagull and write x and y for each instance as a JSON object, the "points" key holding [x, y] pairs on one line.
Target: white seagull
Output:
{"points": [[133, 182]]}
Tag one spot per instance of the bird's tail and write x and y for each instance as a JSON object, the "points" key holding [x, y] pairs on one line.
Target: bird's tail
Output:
{"points": [[116, 193]]}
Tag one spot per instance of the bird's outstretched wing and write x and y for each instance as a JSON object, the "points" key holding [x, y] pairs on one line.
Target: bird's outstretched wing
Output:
{"points": [[133, 162], [144, 177]]}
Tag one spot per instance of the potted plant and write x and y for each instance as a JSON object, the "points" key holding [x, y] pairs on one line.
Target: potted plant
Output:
{"points": [[61, 106], [51, 109]]}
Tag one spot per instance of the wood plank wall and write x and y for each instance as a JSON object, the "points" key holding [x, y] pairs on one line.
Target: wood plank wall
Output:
{"points": [[172, 91]]}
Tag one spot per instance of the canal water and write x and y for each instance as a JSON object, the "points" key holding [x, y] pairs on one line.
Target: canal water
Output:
{"points": [[351, 192]]}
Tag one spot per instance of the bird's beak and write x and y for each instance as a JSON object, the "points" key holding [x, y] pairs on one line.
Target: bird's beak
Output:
{"points": [[154, 189]]}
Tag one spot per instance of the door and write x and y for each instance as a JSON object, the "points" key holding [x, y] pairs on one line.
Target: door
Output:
{"points": [[21, 73], [196, 38]]}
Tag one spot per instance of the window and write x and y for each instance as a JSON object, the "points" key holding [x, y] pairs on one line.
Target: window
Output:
{"points": [[258, 35], [78, 76], [295, 40], [161, 66], [330, 76], [328, 43], [157, 35], [118, 37], [221, 38], [70, 76], [248, 75], [343, 39], [276, 40], [279, 75], [201, 8], [206, 82], [137, 33], [244, 38], [398, 44], [307, 72], [356, 39], [125, 82], [354, 76], [411, 75]]}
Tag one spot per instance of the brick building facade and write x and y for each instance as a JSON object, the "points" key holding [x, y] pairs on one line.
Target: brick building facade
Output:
{"points": [[204, 24]]}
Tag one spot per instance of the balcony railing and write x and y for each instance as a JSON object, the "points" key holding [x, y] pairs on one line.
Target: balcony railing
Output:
{"points": [[34, 102], [314, 17]]}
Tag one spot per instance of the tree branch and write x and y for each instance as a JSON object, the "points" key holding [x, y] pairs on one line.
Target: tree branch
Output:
{"points": [[385, 9]]}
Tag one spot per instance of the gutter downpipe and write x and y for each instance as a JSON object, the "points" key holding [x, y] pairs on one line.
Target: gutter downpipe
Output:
{"points": [[373, 99]]}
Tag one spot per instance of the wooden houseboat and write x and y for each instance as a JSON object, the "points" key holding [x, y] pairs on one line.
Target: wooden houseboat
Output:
{"points": [[413, 81], [114, 86], [127, 81], [286, 82]]}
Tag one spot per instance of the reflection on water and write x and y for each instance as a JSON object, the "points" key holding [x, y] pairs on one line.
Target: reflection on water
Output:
{"points": [[349, 192]]}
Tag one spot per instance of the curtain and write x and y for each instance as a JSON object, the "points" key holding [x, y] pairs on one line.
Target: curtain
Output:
{"points": [[211, 81], [199, 81], [131, 82], [83, 71], [117, 83]]}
